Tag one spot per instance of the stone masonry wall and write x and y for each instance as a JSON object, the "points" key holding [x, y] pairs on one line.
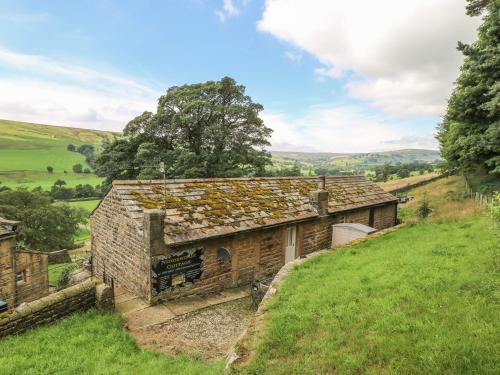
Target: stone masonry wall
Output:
{"points": [[258, 254], [118, 247], [34, 265], [385, 216], [48, 309], [7, 274]]}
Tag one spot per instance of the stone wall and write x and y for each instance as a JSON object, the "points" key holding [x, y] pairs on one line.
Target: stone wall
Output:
{"points": [[385, 216], [59, 256], [34, 267], [118, 247], [258, 254], [48, 309], [7, 274]]}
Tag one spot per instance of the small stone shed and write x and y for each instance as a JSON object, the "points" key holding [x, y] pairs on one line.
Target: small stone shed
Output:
{"points": [[23, 273], [166, 239]]}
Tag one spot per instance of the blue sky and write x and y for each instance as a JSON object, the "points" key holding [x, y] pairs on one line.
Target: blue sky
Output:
{"points": [[330, 79]]}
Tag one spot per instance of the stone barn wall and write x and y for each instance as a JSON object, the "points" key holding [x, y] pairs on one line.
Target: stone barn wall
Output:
{"points": [[34, 267], [118, 247], [7, 274]]}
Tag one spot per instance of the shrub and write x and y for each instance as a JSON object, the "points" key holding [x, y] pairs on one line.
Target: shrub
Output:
{"points": [[494, 206], [424, 209], [64, 278], [86, 170], [77, 168], [50, 169], [71, 147]]}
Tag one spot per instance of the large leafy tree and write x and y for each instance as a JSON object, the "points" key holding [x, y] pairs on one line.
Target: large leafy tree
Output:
{"points": [[43, 224], [209, 129], [470, 133]]}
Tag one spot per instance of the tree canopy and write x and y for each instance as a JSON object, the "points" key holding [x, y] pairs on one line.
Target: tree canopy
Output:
{"points": [[43, 225], [209, 129], [469, 135]]}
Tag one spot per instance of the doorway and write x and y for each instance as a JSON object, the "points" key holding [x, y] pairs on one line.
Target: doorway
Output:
{"points": [[291, 235]]}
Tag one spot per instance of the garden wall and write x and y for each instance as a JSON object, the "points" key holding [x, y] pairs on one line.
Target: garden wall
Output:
{"points": [[55, 306]]}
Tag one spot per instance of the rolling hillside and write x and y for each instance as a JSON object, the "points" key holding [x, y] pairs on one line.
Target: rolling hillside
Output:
{"points": [[27, 149], [352, 161]]}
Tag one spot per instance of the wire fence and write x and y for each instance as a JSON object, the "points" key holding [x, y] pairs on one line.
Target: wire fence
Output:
{"points": [[480, 200]]}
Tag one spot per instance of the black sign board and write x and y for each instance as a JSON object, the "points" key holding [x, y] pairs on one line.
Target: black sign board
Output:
{"points": [[176, 270]]}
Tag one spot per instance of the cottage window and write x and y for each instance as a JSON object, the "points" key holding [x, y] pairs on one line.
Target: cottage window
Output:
{"points": [[223, 254], [343, 219], [21, 276]]}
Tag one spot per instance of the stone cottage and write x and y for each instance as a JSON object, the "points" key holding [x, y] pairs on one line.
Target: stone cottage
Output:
{"points": [[23, 273], [167, 239]]}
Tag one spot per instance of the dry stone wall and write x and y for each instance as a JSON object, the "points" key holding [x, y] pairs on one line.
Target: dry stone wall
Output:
{"points": [[48, 309]]}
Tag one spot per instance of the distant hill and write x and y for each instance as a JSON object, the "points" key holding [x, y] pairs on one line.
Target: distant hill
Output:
{"points": [[354, 160], [27, 149]]}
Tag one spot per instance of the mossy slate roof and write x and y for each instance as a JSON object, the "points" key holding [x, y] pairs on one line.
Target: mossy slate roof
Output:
{"points": [[202, 208]]}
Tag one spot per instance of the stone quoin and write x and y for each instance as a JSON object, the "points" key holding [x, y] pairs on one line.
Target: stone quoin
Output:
{"points": [[162, 240]]}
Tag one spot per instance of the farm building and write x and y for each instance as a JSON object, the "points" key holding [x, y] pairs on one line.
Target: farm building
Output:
{"points": [[23, 273], [168, 239]]}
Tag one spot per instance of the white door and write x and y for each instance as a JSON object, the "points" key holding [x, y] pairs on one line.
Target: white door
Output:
{"points": [[290, 244]]}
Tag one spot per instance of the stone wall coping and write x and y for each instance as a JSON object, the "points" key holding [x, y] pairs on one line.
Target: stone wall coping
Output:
{"points": [[39, 304]]}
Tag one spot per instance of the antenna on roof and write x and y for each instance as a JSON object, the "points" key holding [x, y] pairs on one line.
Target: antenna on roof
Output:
{"points": [[162, 170]]}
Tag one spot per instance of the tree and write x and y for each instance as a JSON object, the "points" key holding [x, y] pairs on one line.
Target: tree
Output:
{"points": [[209, 129], [71, 147], [50, 169], [59, 182], [43, 225], [469, 135], [77, 168]]}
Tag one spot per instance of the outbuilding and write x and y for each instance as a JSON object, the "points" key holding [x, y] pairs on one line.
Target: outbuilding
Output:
{"points": [[167, 239]]}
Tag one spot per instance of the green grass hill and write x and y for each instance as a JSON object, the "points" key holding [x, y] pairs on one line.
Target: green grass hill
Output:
{"points": [[27, 149]]}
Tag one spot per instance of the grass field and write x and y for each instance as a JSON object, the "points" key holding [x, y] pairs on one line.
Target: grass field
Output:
{"points": [[421, 300], [92, 343], [86, 205], [27, 149]]}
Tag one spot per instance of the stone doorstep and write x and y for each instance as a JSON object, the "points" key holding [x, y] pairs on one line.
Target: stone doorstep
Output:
{"points": [[139, 315]]}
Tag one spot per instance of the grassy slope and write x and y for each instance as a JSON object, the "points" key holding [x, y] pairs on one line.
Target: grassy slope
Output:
{"points": [[421, 300], [92, 343], [27, 149]]}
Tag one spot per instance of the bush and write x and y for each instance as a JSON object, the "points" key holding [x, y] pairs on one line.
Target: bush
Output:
{"points": [[64, 278], [424, 209], [86, 170], [494, 206], [50, 169], [77, 168], [71, 147]]}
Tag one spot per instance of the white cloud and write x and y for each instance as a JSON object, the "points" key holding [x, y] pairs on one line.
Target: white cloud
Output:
{"points": [[294, 56], [339, 129], [229, 9], [39, 89], [402, 52], [413, 141]]}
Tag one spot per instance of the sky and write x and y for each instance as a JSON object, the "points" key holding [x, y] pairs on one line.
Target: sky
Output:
{"points": [[332, 75]]}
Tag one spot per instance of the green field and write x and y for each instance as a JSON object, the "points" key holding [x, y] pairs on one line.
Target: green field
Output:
{"points": [[421, 300], [90, 344], [86, 205], [308, 161], [27, 149]]}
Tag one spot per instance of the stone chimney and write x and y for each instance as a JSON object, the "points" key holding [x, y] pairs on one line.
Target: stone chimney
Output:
{"points": [[319, 198], [153, 223]]}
